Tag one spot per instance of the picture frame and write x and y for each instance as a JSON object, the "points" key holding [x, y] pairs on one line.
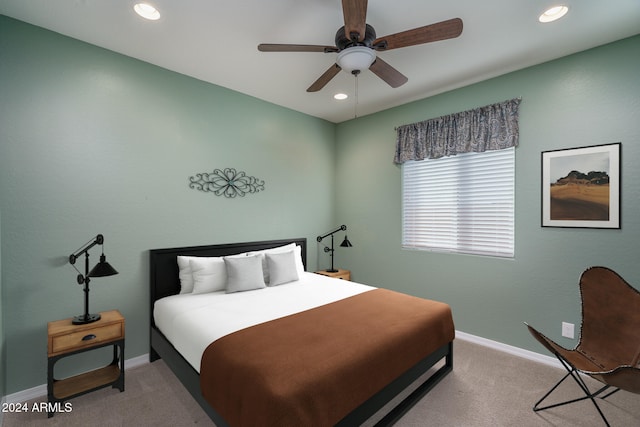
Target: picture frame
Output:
{"points": [[581, 187]]}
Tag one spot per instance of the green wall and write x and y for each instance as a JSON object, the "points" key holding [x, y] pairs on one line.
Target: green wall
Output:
{"points": [[585, 99], [95, 142]]}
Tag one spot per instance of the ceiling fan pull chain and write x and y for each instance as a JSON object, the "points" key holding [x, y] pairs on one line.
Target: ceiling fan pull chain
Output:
{"points": [[355, 107]]}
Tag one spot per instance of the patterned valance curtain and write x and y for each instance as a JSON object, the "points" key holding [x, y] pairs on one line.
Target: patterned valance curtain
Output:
{"points": [[493, 127]]}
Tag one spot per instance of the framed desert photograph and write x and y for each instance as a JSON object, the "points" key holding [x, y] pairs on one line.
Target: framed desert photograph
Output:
{"points": [[581, 187]]}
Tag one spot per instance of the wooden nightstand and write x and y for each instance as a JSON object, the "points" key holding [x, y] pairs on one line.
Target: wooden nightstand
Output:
{"points": [[340, 274], [65, 339]]}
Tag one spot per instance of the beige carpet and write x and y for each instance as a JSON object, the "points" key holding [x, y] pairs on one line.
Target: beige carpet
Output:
{"points": [[486, 388]]}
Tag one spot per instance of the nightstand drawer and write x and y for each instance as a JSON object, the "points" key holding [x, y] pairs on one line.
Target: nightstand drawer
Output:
{"points": [[87, 337]]}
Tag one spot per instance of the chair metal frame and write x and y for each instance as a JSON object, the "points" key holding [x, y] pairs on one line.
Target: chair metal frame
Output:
{"points": [[575, 374]]}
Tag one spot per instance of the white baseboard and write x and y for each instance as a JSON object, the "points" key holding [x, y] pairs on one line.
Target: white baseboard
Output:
{"points": [[515, 351], [41, 390]]}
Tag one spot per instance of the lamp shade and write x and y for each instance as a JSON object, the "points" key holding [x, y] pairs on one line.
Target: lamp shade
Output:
{"points": [[102, 269], [346, 243], [356, 58]]}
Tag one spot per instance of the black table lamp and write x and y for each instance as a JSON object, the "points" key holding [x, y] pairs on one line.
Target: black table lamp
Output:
{"points": [[345, 244], [102, 269]]}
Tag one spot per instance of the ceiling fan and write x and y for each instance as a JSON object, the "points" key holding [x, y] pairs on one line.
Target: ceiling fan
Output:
{"points": [[356, 45]]}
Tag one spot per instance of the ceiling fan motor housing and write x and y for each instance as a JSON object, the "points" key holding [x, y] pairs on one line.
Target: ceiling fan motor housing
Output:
{"points": [[343, 42]]}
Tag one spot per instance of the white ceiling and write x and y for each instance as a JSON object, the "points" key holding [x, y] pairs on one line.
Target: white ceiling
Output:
{"points": [[216, 41]]}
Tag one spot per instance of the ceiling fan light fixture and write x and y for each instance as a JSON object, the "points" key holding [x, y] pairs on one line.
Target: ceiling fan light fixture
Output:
{"points": [[147, 11], [356, 58], [340, 96], [553, 14]]}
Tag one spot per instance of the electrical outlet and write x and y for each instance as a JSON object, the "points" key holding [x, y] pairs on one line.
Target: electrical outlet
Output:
{"points": [[568, 330]]}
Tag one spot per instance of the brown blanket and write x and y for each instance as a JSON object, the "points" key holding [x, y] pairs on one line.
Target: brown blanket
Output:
{"points": [[315, 367]]}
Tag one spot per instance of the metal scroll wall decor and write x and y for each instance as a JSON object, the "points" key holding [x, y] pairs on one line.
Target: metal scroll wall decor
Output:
{"points": [[226, 182]]}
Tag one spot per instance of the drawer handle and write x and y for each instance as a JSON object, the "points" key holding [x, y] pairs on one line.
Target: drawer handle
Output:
{"points": [[88, 337]]}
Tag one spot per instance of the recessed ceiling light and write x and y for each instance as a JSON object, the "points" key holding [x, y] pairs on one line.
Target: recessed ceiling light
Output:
{"points": [[147, 11], [340, 96], [553, 13]]}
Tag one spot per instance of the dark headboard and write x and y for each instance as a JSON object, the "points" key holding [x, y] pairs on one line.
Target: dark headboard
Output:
{"points": [[164, 279]]}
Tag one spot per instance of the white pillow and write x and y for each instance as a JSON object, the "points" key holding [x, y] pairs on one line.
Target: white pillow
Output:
{"points": [[244, 273], [184, 274], [280, 249], [282, 267], [297, 252], [209, 274], [284, 248]]}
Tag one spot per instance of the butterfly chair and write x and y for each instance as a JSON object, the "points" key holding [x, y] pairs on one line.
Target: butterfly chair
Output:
{"points": [[609, 346]]}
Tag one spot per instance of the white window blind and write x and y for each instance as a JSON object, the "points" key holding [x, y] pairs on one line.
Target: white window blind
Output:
{"points": [[461, 204]]}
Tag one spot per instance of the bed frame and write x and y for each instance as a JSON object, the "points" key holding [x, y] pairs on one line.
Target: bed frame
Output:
{"points": [[164, 281]]}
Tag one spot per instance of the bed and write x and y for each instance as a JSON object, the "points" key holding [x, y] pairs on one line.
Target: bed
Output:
{"points": [[325, 380]]}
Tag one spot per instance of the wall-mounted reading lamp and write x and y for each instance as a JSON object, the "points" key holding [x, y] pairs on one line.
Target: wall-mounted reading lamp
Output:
{"points": [[101, 269], [345, 244]]}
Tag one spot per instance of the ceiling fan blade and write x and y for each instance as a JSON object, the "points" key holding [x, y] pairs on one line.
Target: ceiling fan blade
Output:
{"points": [[429, 33], [325, 78], [386, 72], [355, 17], [267, 47]]}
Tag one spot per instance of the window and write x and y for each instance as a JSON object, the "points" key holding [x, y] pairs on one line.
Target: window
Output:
{"points": [[462, 204]]}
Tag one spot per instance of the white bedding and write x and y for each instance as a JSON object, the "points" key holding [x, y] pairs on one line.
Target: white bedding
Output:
{"points": [[193, 321]]}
